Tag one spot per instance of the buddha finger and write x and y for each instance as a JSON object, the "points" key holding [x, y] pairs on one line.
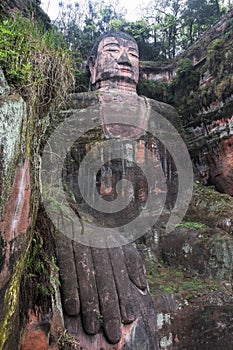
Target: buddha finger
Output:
{"points": [[135, 266], [88, 290], [123, 284], [68, 276], [109, 303]]}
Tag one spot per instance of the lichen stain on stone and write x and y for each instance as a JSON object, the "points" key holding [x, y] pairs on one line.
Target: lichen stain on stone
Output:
{"points": [[166, 341], [162, 319], [12, 112], [187, 248], [12, 117], [11, 301]]}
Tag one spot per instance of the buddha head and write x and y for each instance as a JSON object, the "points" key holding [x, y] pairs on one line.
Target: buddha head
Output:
{"points": [[114, 59]]}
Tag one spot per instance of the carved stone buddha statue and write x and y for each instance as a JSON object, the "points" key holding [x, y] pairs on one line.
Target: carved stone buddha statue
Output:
{"points": [[105, 296]]}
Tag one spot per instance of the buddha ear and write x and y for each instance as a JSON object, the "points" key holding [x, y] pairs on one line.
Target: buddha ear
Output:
{"points": [[92, 68]]}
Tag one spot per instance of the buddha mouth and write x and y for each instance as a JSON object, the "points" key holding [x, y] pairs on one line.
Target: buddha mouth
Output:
{"points": [[125, 69]]}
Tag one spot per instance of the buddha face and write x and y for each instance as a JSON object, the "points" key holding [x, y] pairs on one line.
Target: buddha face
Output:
{"points": [[117, 60]]}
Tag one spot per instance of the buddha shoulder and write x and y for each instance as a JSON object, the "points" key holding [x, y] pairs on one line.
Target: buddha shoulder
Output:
{"points": [[160, 108]]}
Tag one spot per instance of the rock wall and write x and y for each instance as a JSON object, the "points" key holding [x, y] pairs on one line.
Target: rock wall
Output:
{"points": [[191, 277], [19, 204], [15, 199], [200, 87]]}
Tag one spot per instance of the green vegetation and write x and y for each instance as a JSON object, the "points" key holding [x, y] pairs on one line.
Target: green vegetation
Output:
{"points": [[184, 91], [152, 89], [35, 61], [67, 342], [164, 279], [193, 225], [101, 320], [209, 208], [40, 273], [164, 28], [208, 201]]}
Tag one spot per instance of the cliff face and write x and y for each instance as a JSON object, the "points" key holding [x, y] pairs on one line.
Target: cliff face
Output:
{"points": [[27, 8], [200, 85], [24, 265], [209, 130], [18, 209]]}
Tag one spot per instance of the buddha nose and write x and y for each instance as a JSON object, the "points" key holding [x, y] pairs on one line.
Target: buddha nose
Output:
{"points": [[124, 59]]}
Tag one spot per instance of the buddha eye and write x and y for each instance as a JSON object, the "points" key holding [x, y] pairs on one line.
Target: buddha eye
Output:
{"points": [[111, 49], [133, 54]]}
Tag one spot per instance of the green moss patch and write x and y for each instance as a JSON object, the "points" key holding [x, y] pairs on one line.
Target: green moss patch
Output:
{"points": [[164, 279]]}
